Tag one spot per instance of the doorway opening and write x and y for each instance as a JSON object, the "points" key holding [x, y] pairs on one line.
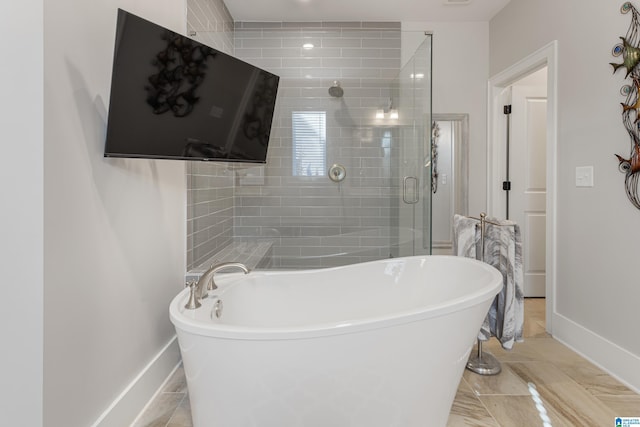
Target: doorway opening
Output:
{"points": [[532, 200], [526, 163]]}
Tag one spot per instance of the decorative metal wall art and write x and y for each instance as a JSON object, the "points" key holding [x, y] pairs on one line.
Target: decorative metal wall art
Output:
{"points": [[629, 49]]}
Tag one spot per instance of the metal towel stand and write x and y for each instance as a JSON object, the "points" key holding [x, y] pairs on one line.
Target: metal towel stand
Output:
{"points": [[483, 363]]}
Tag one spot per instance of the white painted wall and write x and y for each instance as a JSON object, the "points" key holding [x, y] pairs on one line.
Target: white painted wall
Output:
{"points": [[21, 237], [114, 229], [460, 74], [598, 290]]}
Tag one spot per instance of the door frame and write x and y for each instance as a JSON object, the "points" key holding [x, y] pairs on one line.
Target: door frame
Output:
{"points": [[547, 56], [460, 175]]}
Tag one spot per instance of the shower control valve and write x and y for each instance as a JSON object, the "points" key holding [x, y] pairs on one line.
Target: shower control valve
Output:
{"points": [[337, 173]]}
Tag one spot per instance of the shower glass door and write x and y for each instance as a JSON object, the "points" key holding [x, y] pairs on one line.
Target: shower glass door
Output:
{"points": [[412, 162]]}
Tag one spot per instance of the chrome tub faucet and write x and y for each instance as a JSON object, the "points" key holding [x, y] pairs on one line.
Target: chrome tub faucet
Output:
{"points": [[205, 283]]}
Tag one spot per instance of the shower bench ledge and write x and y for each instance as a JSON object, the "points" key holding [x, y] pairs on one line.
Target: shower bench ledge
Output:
{"points": [[252, 254]]}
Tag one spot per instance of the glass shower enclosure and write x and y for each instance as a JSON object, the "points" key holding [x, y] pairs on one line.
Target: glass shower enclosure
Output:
{"points": [[348, 172], [413, 166]]}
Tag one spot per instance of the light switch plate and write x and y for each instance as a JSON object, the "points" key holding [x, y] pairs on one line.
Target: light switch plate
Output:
{"points": [[584, 176]]}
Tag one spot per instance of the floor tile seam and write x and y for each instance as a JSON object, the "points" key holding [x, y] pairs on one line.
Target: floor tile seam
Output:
{"points": [[460, 384], [501, 394], [599, 395], [508, 362], [477, 399], [518, 378], [630, 393], [175, 410], [486, 408]]}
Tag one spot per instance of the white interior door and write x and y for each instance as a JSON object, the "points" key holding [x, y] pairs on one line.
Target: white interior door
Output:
{"points": [[528, 180]]}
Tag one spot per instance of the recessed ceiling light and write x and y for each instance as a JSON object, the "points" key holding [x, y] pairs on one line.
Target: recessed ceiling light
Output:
{"points": [[307, 46]]}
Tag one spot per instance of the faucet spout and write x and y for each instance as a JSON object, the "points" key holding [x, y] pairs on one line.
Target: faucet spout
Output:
{"points": [[206, 282]]}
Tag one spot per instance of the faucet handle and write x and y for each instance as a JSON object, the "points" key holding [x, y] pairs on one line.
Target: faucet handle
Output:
{"points": [[193, 302]]}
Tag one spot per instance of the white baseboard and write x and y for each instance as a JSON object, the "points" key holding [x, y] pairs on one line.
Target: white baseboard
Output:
{"points": [[618, 362], [130, 403]]}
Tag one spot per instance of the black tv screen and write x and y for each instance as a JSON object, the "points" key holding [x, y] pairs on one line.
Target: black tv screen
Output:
{"points": [[175, 98]]}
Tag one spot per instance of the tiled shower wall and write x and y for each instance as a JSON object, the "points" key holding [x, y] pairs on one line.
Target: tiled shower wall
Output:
{"points": [[308, 219], [210, 186], [313, 221]]}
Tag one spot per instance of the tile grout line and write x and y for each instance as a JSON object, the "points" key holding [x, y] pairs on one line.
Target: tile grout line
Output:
{"points": [[176, 409], [481, 403], [486, 408]]}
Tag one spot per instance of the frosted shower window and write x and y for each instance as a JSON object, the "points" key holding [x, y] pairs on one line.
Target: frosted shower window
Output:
{"points": [[309, 142]]}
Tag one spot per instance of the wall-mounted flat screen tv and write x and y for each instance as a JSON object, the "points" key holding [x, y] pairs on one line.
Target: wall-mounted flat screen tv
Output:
{"points": [[175, 98]]}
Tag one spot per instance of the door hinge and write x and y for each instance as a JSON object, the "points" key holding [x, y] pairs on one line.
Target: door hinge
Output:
{"points": [[507, 109], [506, 185]]}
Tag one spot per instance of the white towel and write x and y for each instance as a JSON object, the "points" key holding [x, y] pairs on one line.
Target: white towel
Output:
{"points": [[502, 250]]}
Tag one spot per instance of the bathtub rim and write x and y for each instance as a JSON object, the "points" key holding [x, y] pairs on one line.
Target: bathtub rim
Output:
{"points": [[184, 323]]}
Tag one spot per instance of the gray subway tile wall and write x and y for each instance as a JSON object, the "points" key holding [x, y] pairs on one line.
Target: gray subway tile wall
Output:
{"points": [[309, 219], [312, 221], [210, 201]]}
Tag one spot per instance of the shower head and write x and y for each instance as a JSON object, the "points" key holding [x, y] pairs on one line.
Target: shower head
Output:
{"points": [[335, 90]]}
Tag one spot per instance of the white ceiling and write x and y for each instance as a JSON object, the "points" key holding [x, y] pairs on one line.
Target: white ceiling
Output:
{"points": [[363, 10]]}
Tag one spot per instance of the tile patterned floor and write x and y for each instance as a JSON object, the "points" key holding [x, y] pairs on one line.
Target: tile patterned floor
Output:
{"points": [[541, 381]]}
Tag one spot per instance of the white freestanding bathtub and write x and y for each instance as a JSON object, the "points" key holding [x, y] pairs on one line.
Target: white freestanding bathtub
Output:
{"points": [[382, 343]]}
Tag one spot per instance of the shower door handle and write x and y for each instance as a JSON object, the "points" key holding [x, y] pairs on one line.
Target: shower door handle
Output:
{"points": [[410, 192]]}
